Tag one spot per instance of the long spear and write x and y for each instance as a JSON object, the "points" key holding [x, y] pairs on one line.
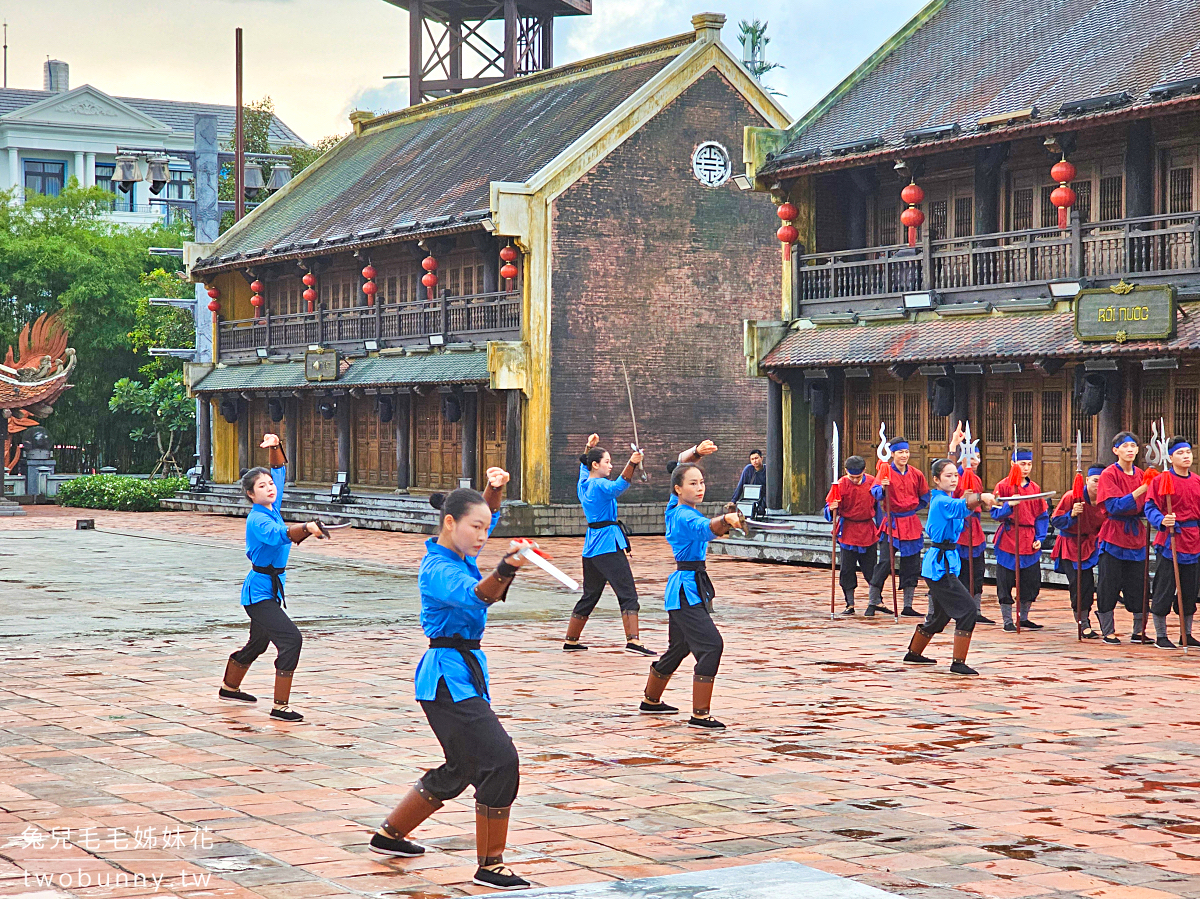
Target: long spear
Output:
{"points": [[966, 452], [884, 453], [1015, 479], [835, 495], [1079, 488], [1168, 490], [1155, 453]]}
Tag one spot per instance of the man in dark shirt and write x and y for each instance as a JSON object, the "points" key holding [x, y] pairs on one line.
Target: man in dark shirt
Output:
{"points": [[754, 473]]}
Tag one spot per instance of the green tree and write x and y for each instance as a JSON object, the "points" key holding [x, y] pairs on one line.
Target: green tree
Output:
{"points": [[62, 253], [164, 413]]}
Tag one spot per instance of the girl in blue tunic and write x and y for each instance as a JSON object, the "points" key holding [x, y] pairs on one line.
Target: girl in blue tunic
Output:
{"points": [[689, 595], [606, 547], [268, 543], [452, 685]]}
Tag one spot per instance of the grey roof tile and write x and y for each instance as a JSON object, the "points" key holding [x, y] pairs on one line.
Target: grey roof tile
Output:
{"points": [[377, 371]]}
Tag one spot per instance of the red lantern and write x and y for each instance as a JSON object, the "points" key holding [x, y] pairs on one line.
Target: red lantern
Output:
{"points": [[787, 233], [1063, 172], [508, 254], [508, 271], [1063, 196], [256, 286], [369, 272], [429, 264], [309, 279], [310, 297], [787, 212], [256, 301], [214, 294], [213, 306], [912, 218], [370, 288], [429, 279]]}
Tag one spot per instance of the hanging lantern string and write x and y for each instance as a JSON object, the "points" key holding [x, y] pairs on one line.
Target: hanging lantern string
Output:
{"points": [[256, 287], [508, 271], [787, 233], [430, 278], [370, 288], [1063, 196], [912, 218], [309, 295]]}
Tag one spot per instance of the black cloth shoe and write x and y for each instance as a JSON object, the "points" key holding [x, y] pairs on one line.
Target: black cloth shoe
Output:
{"points": [[236, 695], [400, 848], [1165, 643], [915, 658], [639, 649], [980, 618], [848, 611], [656, 708], [708, 722], [1010, 627], [1111, 639], [1191, 641], [1089, 634], [910, 613], [569, 647], [286, 714], [962, 668], [1140, 638], [500, 877], [870, 612], [1026, 624]]}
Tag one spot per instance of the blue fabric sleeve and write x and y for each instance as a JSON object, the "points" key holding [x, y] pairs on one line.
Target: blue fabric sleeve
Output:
{"points": [[1121, 504], [610, 488], [1062, 522], [698, 528], [956, 508], [828, 514], [1002, 512], [1041, 526], [1154, 514], [877, 492], [923, 502], [279, 476], [583, 473], [267, 530], [449, 586], [737, 491]]}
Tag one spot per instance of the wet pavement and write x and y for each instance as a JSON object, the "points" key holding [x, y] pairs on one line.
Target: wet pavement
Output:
{"points": [[1063, 770]]}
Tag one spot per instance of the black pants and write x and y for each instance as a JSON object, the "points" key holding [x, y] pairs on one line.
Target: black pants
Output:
{"points": [[607, 568], [948, 598], [269, 623], [973, 569], [1121, 579], [691, 630], [1006, 582], [1088, 581], [477, 748], [1162, 596], [853, 562], [907, 567]]}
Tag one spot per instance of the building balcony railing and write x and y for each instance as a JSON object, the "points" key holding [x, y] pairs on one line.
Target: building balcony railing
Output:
{"points": [[477, 317], [1124, 248]]}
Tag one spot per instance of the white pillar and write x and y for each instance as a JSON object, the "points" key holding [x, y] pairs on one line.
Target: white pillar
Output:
{"points": [[14, 174], [79, 173], [89, 169]]}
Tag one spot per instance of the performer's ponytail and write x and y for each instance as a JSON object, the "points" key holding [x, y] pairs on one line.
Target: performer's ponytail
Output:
{"points": [[457, 502], [592, 456]]}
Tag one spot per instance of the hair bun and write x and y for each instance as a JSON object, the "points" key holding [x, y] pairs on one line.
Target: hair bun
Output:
{"points": [[437, 500], [583, 458], [672, 465]]}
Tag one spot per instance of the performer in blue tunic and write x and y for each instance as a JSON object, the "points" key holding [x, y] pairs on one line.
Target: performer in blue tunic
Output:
{"points": [[948, 596], [606, 547], [690, 593], [452, 685], [268, 543]]}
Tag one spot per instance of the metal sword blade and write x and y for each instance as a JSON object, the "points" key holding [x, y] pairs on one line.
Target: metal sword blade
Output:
{"points": [[562, 577], [835, 453], [633, 418], [1079, 450]]}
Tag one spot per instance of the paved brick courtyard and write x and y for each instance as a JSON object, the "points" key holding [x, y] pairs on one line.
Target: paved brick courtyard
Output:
{"points": [[1064, 770]]}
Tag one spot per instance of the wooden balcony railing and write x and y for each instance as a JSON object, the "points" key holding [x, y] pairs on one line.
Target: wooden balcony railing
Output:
{"points": [[1098, 250], [477, 317]]}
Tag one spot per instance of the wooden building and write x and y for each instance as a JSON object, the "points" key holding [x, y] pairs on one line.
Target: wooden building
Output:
{"points": [[609, 179], [997, 310]]}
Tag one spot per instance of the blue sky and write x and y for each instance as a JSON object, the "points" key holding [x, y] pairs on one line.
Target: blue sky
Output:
{"points": [[318, 59]]}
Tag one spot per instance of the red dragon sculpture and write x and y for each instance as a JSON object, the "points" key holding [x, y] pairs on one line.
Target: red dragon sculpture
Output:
{"points": [[33, 378]]}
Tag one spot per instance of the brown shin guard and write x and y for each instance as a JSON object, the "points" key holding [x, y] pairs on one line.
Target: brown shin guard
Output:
{"points": [[629, 621], [491, 833], [702, 690], [417, 805], [575, 627], [962, 643], [655, 685], [234, 674], [283, 687], [919, 641]]}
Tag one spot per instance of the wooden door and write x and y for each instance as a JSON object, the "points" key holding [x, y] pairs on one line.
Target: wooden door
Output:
{"points": [[259, 424], [905, 409], [493, 414], [374, 447], [318, 445], [438, 444]]}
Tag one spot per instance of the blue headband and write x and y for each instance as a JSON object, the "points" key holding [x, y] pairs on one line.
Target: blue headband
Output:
{"points": [[898, 444], [1022, 455], [857, 468], [1123, 438], [1095, 470], [1178, 444]]}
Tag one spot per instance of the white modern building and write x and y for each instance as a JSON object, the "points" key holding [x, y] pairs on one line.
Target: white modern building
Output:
{"points": [[49, 136]]}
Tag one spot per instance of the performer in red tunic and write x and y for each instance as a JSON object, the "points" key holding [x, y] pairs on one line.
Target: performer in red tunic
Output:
{"points": [[858, 527], [1028, 521], [908, 492], [1179, 537], [1122, 566], [1076, 521]]}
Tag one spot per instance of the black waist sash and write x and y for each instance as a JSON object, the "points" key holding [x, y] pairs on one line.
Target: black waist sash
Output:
{"points": [[598, 525], [464, 647], [276, 581], [704, 583], [942, 549]]}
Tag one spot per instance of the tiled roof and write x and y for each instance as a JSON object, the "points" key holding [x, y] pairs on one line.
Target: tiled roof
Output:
{"points": [[976, 58], [175, 114], [994, 337], [377, 371], [420, 171]]}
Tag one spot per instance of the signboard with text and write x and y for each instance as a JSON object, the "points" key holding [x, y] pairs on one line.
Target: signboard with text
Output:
{"points": [[1126, 312]]}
